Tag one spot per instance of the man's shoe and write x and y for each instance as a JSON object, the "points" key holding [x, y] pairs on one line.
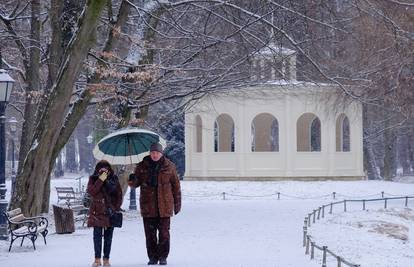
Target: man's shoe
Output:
{"points": [[163, 262], [152, 262]]}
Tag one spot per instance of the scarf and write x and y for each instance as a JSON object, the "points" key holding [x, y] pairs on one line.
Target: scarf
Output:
{"points": [[154, 170]]}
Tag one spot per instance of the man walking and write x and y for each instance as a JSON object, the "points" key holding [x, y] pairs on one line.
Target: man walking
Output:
{"points": [[160, 197]]}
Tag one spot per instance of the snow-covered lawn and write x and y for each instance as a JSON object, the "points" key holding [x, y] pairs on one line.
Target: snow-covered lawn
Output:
{"points": [[374, 237], [250, 228]]}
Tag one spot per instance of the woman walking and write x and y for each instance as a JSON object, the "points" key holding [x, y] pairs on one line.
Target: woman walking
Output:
{"points": [[106, 195]]}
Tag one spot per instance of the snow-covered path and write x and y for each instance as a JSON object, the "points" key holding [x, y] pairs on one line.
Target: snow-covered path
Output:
{"points": [[238, 231]]}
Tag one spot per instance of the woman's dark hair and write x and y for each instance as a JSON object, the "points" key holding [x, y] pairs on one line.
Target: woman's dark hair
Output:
{"points": [[103, 164]]}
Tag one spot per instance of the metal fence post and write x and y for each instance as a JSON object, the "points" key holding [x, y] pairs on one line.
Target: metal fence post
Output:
{"points": [[323, 211], [309, 219], [305, 233], [314, 215], [339, 261], [312, 250], [385, 203], [224, 195], [324, 256], [334, 195], [344, 205], [278, 195], [319, 212], [307, 245], [382, 194], [330, 210], [406, 201], [363, 204]]}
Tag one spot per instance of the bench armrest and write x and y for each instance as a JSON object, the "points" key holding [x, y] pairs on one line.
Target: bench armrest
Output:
{"points": [[24, 227], [39, 220]]}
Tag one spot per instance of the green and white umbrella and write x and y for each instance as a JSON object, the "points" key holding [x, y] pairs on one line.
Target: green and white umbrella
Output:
{"points": [[126, 146]]}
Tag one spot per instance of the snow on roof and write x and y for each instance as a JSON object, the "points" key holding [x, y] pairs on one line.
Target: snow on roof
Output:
{"points": [[295, 82], [272, 49]]}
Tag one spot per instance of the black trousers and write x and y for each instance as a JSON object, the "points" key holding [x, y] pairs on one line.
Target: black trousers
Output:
{"points": [[157, 248], [97, 241]]}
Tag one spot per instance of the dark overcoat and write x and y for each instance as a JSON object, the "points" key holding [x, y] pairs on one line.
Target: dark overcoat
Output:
{"points": [[164, 199], [104, 195]]}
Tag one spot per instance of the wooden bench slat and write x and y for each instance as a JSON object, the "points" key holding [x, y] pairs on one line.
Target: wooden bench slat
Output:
{"points": [[14, 212], [17, 218]]}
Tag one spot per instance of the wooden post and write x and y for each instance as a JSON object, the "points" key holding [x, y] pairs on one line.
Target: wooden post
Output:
{"points": [[406, 201], [319, 212], [305, 233], [344, 205], [278, 195], [64, 220], [363, 204], [314, 215], [324, 256], [224, 195], [339, 261], [382, 194], [385, 203], [309, 219], [307, 245], [334, 195], [323, 211], [330, 210], [312, 250]]}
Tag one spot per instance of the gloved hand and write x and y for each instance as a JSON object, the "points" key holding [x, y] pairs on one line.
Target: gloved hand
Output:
{"points": [[103, 176]]}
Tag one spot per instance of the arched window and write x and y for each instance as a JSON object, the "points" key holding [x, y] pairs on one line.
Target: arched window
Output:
{"points": [[265, 133], [308, 133], [198, 134], [224, 134], [343, 138]]}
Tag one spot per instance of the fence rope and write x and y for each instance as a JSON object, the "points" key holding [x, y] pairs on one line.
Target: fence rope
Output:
{"points": [[333, 195]]}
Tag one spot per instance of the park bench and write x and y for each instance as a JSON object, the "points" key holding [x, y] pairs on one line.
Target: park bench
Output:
{"points": [[80, 212], [73, 201], [67, 194], [20, 226]]}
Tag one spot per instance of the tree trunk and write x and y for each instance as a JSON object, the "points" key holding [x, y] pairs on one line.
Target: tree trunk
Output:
{"points": [[33, 84], [30, 187], [85, 128], [389, 153], [58, 167], [370, 160], [403, 151], [71, 162]]}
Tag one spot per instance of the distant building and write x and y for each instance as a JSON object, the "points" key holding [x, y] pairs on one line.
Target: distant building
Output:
{"points": [[279, 129]]}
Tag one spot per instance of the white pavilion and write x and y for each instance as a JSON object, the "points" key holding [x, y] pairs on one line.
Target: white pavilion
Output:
{"points": [[279, 129]]}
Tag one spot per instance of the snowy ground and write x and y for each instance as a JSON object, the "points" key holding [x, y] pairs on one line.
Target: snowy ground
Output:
{"points": [[251, 227]]}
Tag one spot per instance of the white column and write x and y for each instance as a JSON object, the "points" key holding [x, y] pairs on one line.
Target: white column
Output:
{"points": [[241, 137], [208, 145], [329, 151], [204, 137], [188, 132], [332, 145], [357, 136], [290, 136]]}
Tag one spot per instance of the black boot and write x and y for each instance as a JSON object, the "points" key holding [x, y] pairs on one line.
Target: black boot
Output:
{"points": [[152, 262], [163, 261]]}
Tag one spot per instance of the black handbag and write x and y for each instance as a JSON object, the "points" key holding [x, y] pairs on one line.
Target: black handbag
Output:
{"points": [[115, 218]]}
